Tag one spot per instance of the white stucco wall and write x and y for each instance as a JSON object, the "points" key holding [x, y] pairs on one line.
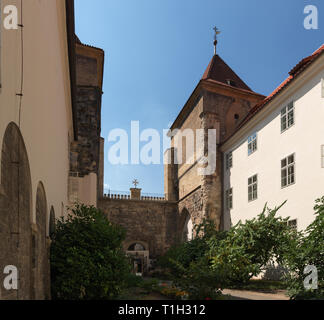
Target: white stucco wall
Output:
{"points": [[304, 139], [46, 114]]}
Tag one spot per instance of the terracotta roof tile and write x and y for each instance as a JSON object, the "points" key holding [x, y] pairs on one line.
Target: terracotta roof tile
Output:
{"points": [[219, 71], [294, 73]]}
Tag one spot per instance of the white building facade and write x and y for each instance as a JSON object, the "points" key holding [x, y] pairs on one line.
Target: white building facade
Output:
{"points": [[277, 153]]}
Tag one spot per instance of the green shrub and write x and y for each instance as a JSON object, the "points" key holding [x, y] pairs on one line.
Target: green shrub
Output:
{"points": [[199, 280], [150, 285], [87, 261], [214, 260], [248, 247], [308, 250], [187, 252], [133, 281], [189, 264]]}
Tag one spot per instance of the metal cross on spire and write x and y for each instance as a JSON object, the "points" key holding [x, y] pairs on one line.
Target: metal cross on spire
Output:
{"points": [[135, 183], [217, 32]]}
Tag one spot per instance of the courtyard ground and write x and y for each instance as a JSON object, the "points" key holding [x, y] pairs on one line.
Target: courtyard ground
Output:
{"points": [[255, 295], [154, 289]]}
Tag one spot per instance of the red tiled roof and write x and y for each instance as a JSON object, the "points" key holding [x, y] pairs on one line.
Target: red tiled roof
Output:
{"points": [[294, 73], [219, 71]]}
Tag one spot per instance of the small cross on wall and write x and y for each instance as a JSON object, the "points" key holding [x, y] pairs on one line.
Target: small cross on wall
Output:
{"points": [[135, 183]]}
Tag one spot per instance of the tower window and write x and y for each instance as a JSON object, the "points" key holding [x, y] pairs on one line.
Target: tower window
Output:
{"points": [[231, 82]]}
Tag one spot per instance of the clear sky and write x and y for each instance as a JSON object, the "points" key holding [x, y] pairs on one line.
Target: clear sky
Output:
{"points": [[157, 50]]}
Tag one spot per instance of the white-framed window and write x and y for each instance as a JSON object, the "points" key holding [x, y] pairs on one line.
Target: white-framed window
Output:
{"points": [[292, 224], [322, 155], [287, 116], [253, 188], [252, 143], [229, 199], [229, 160], [288, 171]]}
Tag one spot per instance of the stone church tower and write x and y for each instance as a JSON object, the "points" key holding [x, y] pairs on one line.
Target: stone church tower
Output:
{"points": [[220, 101]]}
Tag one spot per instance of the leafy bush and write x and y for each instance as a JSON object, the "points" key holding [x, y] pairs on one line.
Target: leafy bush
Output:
{"points": [[87, 261], [308, 250], [188, 263], [248, 247], [187, 252], [133, 281], [199, 280], [215, 260]]}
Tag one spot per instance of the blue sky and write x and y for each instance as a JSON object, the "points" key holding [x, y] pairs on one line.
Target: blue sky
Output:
{"points": [[157, 50]]}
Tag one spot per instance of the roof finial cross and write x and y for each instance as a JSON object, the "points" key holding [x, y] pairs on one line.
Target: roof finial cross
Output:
{"points": [[217, 32], [135, 183]]}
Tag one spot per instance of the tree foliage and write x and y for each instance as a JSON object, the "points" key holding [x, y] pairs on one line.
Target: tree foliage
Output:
{"points": [[308, 250], [250, 246], [87, 261], [214, 260]]}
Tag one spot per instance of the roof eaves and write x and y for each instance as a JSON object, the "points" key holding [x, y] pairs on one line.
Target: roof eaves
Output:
{"points": [[301, 67]]}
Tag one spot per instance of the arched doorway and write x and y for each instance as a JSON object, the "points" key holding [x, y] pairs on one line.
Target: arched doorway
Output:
{"points": [[15, 213], [41, 256], [136, 247], [139, 255], [186, 226], [188, 230]]}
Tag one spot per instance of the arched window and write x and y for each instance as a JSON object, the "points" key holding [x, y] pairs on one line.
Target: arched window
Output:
{"points": [[136, 247]]}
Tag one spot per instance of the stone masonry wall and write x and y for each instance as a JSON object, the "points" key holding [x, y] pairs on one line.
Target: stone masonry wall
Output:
{"points": [[86, 151], [151, 222]]}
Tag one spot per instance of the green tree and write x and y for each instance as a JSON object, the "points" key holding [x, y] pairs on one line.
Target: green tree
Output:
{"points": [[308, 250], [250, 246], [87, 261]]}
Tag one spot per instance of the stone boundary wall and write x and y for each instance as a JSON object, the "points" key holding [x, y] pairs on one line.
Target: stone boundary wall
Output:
{"points": [[152, 222]]}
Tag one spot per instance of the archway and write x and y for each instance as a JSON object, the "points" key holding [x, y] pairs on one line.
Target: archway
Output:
{"points": [[188, 230], [15, 213], [139, 255], [40, 255], [186, 226], [136, 247]]}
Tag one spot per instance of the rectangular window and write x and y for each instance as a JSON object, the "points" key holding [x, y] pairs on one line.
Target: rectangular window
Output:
{"points": [[229, 160], [293, 224], [287, 116], [322, 88], [288, 171], [253, 188], [229, 199], [252, 144], [322, 155]]}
